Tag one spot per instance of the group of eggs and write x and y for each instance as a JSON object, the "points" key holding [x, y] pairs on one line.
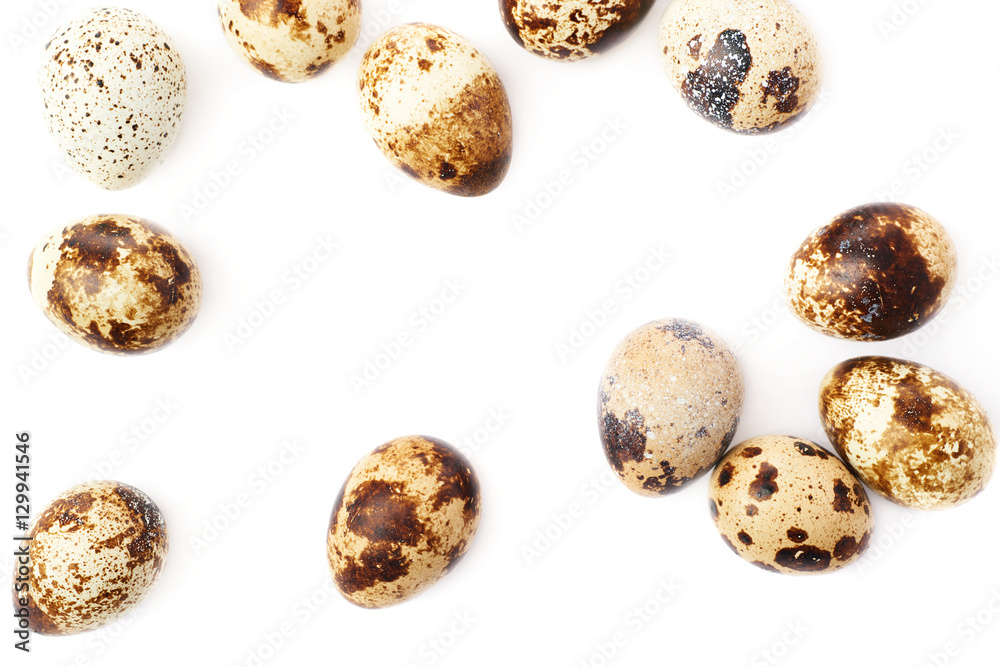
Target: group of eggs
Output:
{"points": [[671, 396]]}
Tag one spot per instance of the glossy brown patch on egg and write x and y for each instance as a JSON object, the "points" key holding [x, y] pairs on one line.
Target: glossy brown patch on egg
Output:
{"points": [[290, 40], [571, 29], [876, 272], [796, 522], [96, 551], [668, 405], [404, 518], [749, 66], [437, 109], [911, 433], [116, 284]]}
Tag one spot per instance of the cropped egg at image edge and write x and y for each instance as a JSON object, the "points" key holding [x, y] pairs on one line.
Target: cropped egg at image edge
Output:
{"points": [[432, 333]]}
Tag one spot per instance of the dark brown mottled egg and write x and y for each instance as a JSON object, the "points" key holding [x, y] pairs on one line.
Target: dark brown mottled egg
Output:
{"points": [[96, 552], [669, 403], [787, 505], [749, 66], [406, 515], [116, 284], [572, 29], [912, 434], [436, 109], [875, 272]]}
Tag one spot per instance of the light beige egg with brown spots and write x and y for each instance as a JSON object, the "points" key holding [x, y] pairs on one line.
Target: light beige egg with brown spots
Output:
{"points": [[116, 284], [96, 552], [913, 434], [571, 29], [669, 404], [404, 518], [437, 109], [788, 505], [749, 66], [290, 40], [114, 89]]}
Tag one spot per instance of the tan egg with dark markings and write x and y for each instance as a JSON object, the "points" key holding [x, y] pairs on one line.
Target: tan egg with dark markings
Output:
{"points": [[876, 272], [788, 505], [668, 406], [571, 29], [290, 40], [748, 66], [405, 516], [96, 552], [437, 109], [913, 434], [116, 284]]}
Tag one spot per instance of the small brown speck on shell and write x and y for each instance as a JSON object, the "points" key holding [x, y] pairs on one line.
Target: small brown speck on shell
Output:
{"points": [[405, 516]]}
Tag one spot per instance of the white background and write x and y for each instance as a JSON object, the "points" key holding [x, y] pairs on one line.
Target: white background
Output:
{"points": [[887, 98]]}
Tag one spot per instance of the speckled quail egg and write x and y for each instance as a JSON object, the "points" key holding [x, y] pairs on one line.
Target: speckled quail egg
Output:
{"points": [[405, 516], [875, 272], [911, 433], [669, 403], [114, 88], [572, 29], [290, 40], [788, 505], [750, 66], [437, 109], [116, 284], [95, 552]]}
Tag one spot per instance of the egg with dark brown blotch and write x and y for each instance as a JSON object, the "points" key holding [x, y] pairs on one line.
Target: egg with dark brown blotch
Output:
{"points": [[913, 434], [95, 553], [405, 516], [788, 505], [669, 403], [290, 41], [749, 66], [572, 29], [116, 284], [875, 272], [436, 109], [114, 88]]}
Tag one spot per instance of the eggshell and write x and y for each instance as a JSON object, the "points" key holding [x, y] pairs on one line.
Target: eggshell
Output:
{"points": [[788, 505], [95, 552], [571, 29], [875, 272], [750, 66], [437, 109], [912, 434], [405, 516], [669, 403], [290, 40], [114, 89], [116, 284]]}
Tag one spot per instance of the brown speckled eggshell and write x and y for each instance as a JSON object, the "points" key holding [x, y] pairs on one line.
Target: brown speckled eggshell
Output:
{"points": [[290, 41], [669, 403], [116, 284], [571, 29], [437, 109], [749, 66], [875, 272], [788, 505], [97, 550], [406, 515], [912, 434]]}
